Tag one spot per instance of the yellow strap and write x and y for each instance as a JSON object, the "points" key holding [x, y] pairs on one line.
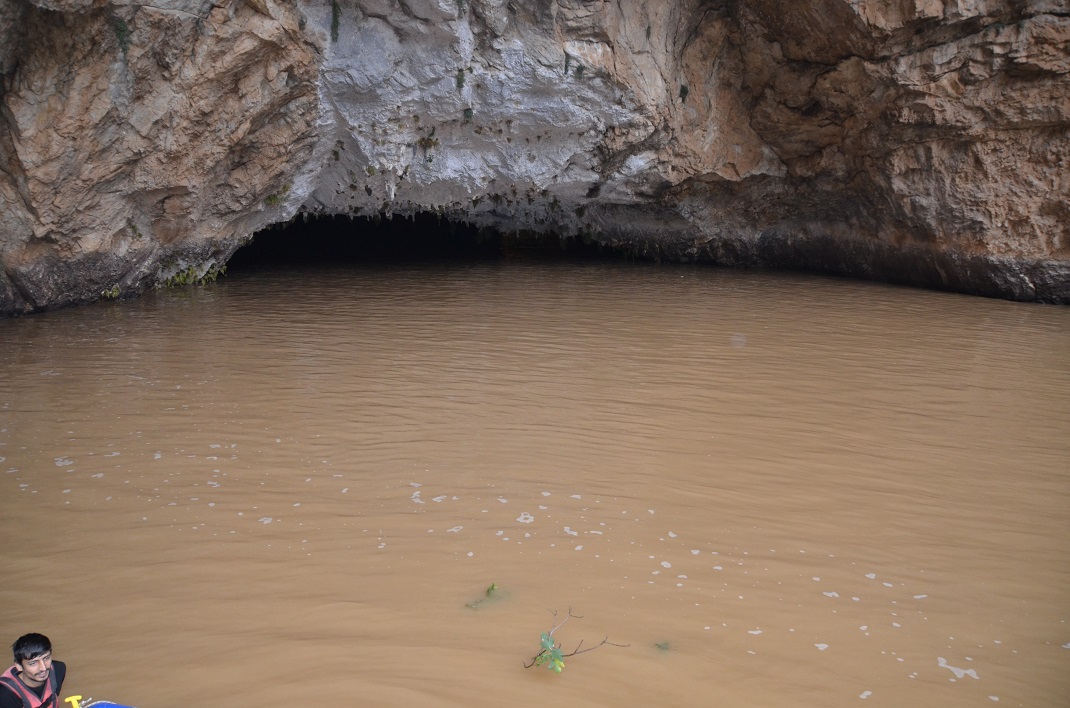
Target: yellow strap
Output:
{"points": [[74, 701]]}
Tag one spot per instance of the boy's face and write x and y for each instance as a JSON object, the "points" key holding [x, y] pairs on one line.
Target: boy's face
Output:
{"points": [[35, 670]]}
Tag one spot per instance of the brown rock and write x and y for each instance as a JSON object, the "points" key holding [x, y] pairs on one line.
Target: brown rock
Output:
{"points": [[923, 142]]}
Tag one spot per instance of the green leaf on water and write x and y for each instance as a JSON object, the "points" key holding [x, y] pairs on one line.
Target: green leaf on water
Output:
{"points": [[488, 594]]}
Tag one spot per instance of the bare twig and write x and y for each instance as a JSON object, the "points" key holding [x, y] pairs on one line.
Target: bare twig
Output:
{"points": [[604, 641], [556, 626]]}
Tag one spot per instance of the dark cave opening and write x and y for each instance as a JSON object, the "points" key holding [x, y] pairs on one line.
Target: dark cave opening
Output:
{"points": [[342, 240]]}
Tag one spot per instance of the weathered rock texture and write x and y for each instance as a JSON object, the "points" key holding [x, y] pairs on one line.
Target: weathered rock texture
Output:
{"points": [[918, 141]]}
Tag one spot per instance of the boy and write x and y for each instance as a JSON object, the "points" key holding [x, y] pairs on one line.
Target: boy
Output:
{"points": [[35, 679]]}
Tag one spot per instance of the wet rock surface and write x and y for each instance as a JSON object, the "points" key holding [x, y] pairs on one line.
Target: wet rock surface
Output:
{"points": [[921, 142]]}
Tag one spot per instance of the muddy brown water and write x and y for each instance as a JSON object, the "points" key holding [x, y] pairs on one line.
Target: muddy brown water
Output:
{"points": [[291, 487]]}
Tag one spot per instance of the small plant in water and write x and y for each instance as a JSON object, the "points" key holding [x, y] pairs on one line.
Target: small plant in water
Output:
{"points": [[487, 594], [550, 654]]}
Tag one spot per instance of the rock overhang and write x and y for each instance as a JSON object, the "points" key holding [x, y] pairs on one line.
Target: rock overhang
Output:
{"points": [[926, 147]]}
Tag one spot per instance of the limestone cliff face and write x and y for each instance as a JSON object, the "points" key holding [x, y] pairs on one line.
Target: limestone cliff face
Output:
{"points": [[921, 141]]}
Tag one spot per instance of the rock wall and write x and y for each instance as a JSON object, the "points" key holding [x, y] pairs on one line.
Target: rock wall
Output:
{"points": [[917, 141]]}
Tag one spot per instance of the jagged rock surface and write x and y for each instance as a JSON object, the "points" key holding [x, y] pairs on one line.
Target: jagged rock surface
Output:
{"points": [[919, 141]]}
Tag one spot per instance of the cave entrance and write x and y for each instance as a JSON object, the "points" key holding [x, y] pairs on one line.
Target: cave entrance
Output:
{"points": [[342, 240]]}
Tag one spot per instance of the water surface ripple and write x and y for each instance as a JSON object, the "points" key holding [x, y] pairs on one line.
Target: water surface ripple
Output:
{"points": [[777, 490]]}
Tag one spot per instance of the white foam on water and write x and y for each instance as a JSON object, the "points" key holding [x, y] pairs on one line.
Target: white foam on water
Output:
{"points": [[264, 519], [920, 597], [994, 698], [64, 461], [672, 535], [570, 532], [865, 694], [666, 564], [440, 498], [503, 500], [525, 518], [871, 576], [754, 631], [455, 529], [959, 673], [579, 547], [831, 594], [822, 647], [575, 496], [695, 551]]}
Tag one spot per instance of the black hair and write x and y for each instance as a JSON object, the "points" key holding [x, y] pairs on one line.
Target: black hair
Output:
{"points": [[30, 646]]}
